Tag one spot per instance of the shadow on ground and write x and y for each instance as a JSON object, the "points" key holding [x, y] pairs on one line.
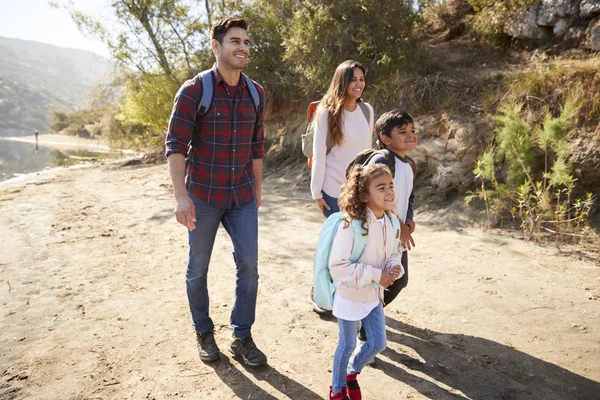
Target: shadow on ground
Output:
{"points": [[479, 368]]}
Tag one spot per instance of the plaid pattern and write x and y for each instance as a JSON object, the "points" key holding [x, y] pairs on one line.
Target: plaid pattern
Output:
{"points": [[219, 170]]}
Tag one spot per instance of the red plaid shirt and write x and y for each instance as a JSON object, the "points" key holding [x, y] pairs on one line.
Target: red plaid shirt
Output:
{"points": [[219, 170]]}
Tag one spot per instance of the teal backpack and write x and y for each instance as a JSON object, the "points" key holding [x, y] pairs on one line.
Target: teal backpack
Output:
{"points": [[324, 286]]}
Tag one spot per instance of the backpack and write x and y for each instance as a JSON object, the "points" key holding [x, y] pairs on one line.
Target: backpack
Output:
{"points": [[307, 137], [365, 156], [324, 286], [207, 98]]}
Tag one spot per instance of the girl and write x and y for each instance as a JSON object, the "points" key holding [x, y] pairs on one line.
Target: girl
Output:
{"points": [[366, 196], [342, 130]]}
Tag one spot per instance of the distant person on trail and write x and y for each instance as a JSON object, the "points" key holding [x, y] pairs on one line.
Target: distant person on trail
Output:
{"points": [[342, 127], [367, 196], [396, 132], [36, 135], [217, 179]]}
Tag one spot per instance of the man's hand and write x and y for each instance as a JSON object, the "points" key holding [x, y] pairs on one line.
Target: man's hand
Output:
{"points": [[386, 279], [322, 205], [397, 271], [405, 237], [258, 197], [185, 212], [411, 224]]}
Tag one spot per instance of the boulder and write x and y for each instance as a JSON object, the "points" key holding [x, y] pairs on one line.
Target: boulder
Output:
{"points": [[447, 150], [593, 35], [550, 11], [574, 33], [524, 26], [561, 27], [589, 8]]}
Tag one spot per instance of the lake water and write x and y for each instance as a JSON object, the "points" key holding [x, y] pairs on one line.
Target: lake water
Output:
{"points": [[18, 158]]}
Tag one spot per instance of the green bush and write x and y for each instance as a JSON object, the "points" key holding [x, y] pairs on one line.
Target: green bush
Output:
{"points": [[537, 194]]}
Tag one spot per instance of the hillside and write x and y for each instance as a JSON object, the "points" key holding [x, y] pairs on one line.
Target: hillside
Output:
{"points": [[36, 78]]}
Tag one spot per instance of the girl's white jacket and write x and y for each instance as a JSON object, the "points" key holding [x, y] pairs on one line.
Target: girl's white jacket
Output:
{"points": [[354, 279]]}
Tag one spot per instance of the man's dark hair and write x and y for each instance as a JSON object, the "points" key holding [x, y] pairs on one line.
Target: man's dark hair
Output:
{"points": [[390, 120], [220, 28]]}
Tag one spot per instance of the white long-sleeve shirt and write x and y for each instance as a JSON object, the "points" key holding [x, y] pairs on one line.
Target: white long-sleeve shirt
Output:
{"points": [[328, 172], [354, 279]]}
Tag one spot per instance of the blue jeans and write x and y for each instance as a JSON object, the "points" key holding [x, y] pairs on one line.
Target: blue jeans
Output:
{"points": [[241, 223], [374, 324], [332, 202]]}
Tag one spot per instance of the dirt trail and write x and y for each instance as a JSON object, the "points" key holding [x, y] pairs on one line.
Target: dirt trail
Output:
{"points": [[94, 306]]}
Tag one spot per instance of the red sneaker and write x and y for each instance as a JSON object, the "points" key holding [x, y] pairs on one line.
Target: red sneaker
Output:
{"points": [[338, 396], [353, 388]]}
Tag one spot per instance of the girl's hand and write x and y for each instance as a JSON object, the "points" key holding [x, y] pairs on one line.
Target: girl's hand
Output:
{"points": [[322, 205], [397, 271], [386, 279]]}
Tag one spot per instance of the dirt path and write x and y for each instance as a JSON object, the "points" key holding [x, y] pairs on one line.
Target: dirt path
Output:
{"points": [[94, 306]]}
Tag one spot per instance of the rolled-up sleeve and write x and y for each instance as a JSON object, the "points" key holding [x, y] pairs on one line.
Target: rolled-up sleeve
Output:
{"points": [[181, 123]]}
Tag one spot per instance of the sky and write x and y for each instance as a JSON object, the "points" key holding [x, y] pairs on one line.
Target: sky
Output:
{"points": [[36, 20]]}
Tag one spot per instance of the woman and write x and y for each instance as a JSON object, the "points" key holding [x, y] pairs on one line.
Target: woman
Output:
{"points": [[343, 128]]}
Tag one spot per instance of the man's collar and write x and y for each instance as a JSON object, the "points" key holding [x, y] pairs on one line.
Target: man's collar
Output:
{"points": [[219, 78]]}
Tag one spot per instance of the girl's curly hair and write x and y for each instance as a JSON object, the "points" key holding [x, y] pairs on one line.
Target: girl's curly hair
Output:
{"points": [[355, 192]]}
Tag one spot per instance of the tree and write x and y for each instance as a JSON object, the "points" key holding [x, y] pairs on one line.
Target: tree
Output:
{"points": [[152, 36], [323, 34]]}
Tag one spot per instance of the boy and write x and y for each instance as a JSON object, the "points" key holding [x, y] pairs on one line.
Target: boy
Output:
{"points": [[396, 132]]}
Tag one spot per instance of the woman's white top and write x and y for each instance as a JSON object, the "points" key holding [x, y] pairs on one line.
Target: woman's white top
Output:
{"points": [[329, 170]]}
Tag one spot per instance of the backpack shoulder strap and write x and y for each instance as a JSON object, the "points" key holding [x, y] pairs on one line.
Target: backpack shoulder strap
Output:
{"points": [[253, 93], [413, 165], [360, 239], [366, 110], [396, 226], [207, 92], [390, 160]]}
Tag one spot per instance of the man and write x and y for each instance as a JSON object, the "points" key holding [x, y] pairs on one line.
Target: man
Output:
{"points": [[220, 182]]}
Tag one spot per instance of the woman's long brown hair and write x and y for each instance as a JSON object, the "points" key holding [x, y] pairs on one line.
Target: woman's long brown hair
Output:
{"points": [[334, 99], [355, 192]]}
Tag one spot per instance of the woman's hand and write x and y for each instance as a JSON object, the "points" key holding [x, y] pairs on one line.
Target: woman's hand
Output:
{"points": [[322, 205]]}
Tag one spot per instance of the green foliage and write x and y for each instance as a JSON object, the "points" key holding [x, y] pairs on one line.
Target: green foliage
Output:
{"points": [[323, 34], [548, 86], [539, 196], [269, 24], [492, 14], [148, 102], [515, 140]]}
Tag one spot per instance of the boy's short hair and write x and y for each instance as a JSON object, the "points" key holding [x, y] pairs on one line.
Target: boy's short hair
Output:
{"points": [[390, 120], [220, 28]]}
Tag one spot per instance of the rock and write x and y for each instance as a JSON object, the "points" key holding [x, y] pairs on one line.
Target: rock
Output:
{"points": [[561, 26], [550, 11], [593, 35], [574, 33], [589, 8], [447, 150], [524, 26]]}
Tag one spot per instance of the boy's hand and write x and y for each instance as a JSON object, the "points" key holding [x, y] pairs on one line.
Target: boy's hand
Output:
{"points": [[411, 224], [386, 279], [397, 271], [405, 237]]}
